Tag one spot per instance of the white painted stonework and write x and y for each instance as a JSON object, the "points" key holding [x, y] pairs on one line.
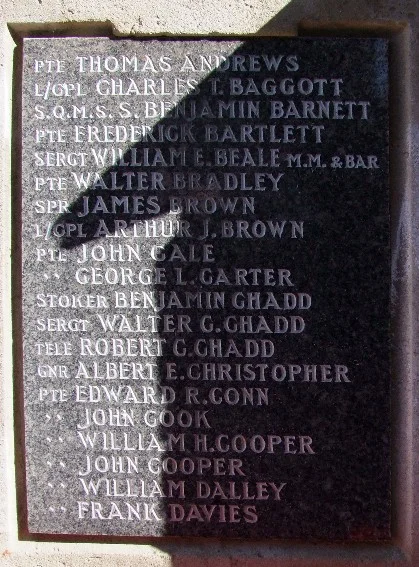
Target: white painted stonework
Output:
{"points": [[396, 20]]}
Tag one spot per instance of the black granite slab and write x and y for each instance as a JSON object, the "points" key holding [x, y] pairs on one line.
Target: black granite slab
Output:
{"points": [[205, 288]]}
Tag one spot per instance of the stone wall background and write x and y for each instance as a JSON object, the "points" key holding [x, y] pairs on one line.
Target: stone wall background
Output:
{"points": [[396, 20]]}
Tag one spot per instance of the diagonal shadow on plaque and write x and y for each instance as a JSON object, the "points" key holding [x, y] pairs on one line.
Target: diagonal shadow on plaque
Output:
{"points": [[222, 217]]}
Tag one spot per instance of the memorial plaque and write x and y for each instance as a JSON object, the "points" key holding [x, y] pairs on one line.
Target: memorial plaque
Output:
{"points": [[205, 244]]}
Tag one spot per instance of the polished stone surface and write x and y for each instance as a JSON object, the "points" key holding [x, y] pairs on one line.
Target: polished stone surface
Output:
{"points": [[281, 205]]}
